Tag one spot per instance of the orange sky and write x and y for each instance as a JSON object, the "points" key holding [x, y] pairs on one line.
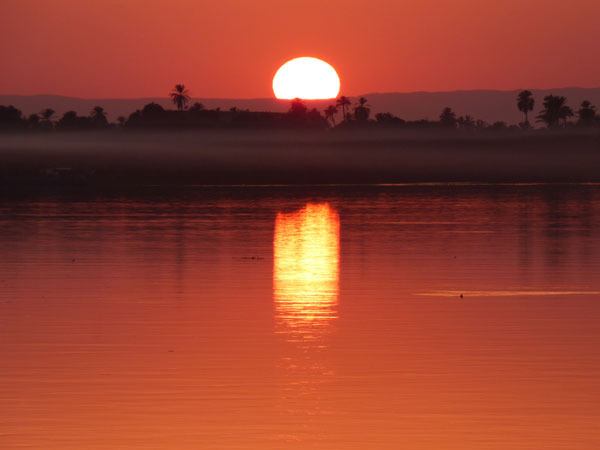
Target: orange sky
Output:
{"points": [[231, 48]]}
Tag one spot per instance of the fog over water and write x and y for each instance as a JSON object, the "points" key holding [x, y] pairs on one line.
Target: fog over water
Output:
{"points": [[115, 158]]}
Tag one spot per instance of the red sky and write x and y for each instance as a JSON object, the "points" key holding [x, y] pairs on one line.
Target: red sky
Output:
{"points": [[231, 48]]}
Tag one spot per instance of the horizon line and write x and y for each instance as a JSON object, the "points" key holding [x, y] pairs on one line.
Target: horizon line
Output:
{"points": [[306, 100]]}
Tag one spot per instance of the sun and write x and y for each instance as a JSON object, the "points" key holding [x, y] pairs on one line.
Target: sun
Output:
{"points": [[306, 78]]}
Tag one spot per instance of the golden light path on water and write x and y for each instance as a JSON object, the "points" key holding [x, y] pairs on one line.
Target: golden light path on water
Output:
{"points": [[306, 248]]}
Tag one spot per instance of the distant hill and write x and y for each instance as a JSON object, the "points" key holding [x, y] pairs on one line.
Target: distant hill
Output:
{"points": [[487, 105]]}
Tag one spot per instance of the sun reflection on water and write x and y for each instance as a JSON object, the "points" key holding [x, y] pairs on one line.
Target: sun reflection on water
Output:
{"points": [[306, 249]]}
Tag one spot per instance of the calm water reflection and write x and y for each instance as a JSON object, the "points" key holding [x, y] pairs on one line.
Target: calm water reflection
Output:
{"points": [[306, 259], [419, 317], [306, 249]]}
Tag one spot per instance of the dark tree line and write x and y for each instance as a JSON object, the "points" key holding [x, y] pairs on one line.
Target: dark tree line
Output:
{"points": [[343, 114], [555, 114], [12, 119]]}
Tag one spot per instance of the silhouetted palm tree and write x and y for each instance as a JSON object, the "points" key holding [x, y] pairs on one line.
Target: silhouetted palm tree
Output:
{"points": [[180, 96], [586, 114], [525, 103], [362, 110], [343, 102], [330, 113], [555, 110]]}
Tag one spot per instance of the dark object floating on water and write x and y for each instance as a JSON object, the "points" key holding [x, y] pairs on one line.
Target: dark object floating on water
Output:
{"points": [[252, 258], [461, 296]]}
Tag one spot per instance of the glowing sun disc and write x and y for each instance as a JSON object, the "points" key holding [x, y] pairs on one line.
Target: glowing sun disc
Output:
{"points": [[306, 78]]}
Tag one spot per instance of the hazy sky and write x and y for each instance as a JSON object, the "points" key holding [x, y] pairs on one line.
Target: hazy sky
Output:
{"points": [[232, 48]]}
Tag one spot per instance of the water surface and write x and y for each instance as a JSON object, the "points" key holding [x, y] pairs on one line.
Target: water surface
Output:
{"points": [[417, 317]]}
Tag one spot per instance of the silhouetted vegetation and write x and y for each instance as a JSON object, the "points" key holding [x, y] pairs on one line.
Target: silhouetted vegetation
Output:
{"points": [[343, 102], [344, 114], [330, 113], [587, 115], [448, 118], [525, 103], [71, 121], [98, 117], [300, 116], [389, 120], [555, 112], [11, 118], [362, 110], [46, 118], [180, 96]]}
